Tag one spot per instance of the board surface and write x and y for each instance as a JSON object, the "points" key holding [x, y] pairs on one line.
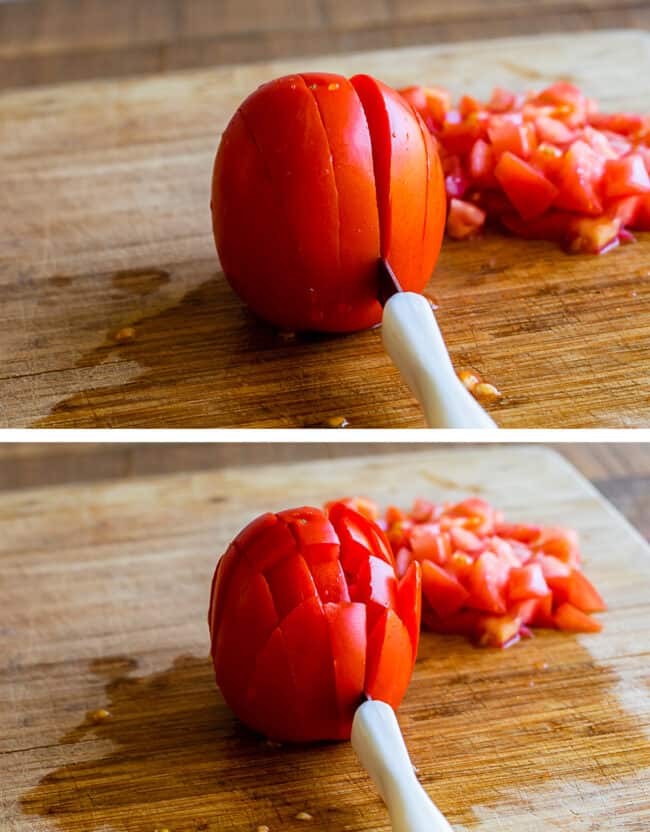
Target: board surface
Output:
{"points": [[102, 605], [105, 227]]}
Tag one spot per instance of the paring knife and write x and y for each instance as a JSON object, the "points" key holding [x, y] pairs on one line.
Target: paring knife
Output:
{"points": [[379, 745], [412, 339]]}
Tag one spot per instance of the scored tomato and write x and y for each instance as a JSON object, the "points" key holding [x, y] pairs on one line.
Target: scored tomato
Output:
{"points": [[307, 615], [315, 178]]}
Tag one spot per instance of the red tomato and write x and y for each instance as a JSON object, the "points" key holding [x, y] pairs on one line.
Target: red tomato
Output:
{"points": [[579, 180], [626, 177], [315, 178], [490, 580], [306, 616], [568, 617], [464, 220], [529, 191]]}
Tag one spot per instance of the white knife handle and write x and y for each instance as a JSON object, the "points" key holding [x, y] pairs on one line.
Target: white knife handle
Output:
{"points": [[412, 339], [379, 745]]}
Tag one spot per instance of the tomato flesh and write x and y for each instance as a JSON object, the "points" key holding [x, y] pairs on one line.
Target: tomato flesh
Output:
{"points": [[545, 165], [491, 580]]}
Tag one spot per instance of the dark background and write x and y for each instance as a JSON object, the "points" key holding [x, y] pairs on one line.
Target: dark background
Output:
{"points": [[48, 41]]}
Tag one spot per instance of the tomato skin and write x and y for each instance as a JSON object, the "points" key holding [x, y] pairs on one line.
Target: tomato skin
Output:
{"points": [[293, 651], [300, 218]]}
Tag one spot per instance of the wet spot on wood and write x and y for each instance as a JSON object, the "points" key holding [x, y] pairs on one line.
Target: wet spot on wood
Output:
{"points": [[501, 745], [141, 281]]}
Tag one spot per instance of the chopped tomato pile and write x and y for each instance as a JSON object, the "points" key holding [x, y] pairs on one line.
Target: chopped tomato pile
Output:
{"points": [[544, 165], [488, 579]]}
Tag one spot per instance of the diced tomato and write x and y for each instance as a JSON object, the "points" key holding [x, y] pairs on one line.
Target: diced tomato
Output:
{"points": [[548, 159], [466, 541], [579, 180], [625, 210], [456, 180], [629, 124], [443, 591], [577, 590], [507, 136], [481, 164], [550, 226], [529, 191], [626, 176], [568, 617], [487, 580], [642, 218], [593, 235], [527, 582], [464, 219], [457, 137], [501, 100], [429, 543], [430, 102], [552, 130], [498, 630], [569, 102]]}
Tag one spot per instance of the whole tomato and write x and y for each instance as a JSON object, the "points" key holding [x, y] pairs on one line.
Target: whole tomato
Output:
{"points": [[306, 617], [316, 177]]}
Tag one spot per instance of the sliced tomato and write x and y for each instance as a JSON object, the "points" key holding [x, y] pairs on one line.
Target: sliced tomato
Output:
{"points": [[389, 660], [347, 631], [409, 603], [568, 617], [443, 591], [529, 190]]}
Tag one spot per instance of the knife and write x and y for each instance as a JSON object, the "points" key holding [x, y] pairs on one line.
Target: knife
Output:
{"points": [[379, 745], [413, 341]]}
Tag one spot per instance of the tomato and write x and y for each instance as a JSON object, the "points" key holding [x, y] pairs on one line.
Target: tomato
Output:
{"points": [[568, 617], [444, 592], [491, 580], [579, 180], [464, 220], [481, 164], [432, 103], [306, 616], [507, 136], [545, 165], [626, 176], [315, 178], [529, 191], [527, 582]]}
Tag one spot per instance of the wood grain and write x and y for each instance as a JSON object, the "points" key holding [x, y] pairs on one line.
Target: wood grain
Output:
{"points": [[51, 41], [105, 226], [102, 606], [621, 471]]}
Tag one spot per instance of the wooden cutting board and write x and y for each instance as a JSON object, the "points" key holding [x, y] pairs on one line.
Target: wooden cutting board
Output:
{"points": [[103, 604], [115, 313]]}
